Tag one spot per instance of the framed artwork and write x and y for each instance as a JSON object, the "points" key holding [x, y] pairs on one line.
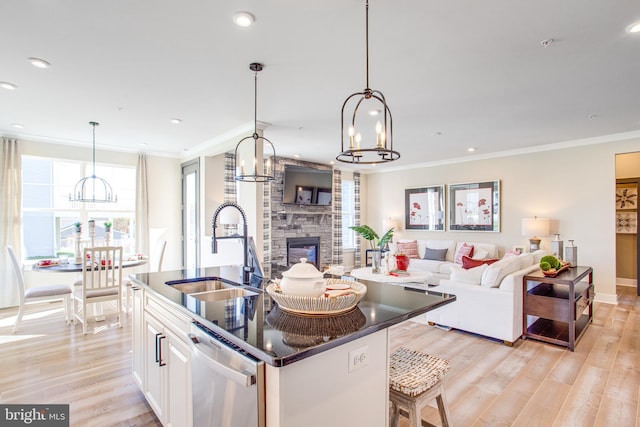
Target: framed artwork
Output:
{"points": [[626, 196], [424, 208], [626, 222], [304, 195], [474, 206], [519, 250], [323, 196]]}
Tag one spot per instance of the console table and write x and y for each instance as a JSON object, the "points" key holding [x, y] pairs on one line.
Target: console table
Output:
{"points": [[563, 305]]}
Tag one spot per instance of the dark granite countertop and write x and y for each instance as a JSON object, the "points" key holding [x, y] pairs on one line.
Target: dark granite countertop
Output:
{"points": [[258, 326]]}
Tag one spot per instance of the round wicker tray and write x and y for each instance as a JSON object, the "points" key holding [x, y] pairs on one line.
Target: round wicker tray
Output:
{"points": [[318, 305]]}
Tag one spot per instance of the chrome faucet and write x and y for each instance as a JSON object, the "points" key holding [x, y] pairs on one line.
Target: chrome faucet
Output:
{"points": [[246, 269]]}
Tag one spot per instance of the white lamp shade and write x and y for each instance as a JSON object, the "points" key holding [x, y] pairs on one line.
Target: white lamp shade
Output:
{"points": [[230, 216], [535, 227]]}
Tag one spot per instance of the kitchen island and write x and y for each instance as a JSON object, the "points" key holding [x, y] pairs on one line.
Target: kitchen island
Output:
{"points": [[314, 370]]}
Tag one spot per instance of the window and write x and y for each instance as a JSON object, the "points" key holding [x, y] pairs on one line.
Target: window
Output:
{"points": [[48, 216], [348, 214]]}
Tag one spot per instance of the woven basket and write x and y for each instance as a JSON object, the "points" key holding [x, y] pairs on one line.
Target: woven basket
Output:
{"points": [[318, 305]]}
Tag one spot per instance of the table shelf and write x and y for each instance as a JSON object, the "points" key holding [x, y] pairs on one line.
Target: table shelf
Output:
{"points": [[561, 306]]}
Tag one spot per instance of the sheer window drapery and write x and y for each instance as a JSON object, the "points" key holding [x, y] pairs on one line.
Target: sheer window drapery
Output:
{"points": [[10, 222]]}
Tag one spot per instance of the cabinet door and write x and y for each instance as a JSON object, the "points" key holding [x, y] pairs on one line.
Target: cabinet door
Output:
{"points": [[179, 393], [137, 337], [154, 374]]}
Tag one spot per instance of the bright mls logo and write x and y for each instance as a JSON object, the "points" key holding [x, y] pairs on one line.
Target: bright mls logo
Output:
{"points": [[34, 415]]}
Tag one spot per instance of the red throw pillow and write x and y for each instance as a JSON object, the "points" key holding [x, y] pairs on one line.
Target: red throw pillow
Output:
{"points": [[465, 250], [470, 262]]}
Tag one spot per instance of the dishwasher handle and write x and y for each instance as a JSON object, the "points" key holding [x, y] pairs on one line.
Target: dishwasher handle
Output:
{"points": [[241, 378]]}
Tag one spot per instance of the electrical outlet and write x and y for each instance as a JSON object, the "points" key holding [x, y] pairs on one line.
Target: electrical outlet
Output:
{"points": [[358, 358]]}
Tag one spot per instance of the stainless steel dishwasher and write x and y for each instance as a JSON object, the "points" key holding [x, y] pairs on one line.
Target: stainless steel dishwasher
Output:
{"points": [[228, 384]]}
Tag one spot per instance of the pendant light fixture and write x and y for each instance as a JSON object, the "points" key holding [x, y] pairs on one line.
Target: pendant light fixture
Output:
{"points": [[260, 167], [93, 189], [370, 103]]}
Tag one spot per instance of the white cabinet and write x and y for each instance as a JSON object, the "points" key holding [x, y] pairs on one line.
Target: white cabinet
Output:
{"points": [[162, 359], [137, 335]]}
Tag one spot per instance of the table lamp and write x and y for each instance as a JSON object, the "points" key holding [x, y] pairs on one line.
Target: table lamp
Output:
{"points": [[536, 227]]}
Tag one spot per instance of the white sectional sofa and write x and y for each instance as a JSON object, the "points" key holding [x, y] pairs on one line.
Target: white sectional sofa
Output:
{"points": [[488, 297], [441, 269]]}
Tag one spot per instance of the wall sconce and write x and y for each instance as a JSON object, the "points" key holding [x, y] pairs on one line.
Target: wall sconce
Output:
{"points": [[536, 227]]}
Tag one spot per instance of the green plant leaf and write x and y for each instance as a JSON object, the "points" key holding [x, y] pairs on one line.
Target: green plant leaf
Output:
{"points": [[386, 237], [365, 231]]}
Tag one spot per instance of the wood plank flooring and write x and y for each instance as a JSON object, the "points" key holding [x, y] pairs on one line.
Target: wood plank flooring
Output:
{"points": [[531, 384]]}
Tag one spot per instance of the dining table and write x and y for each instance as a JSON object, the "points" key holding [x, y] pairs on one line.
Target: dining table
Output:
{"points": [[72, 267]]}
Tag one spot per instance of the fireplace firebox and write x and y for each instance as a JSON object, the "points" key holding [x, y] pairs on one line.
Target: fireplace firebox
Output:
{"points": [[303, 247]]}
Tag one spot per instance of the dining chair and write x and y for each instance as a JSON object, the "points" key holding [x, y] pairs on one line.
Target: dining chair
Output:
{"points": [[158, 256], [101, 281], [38, 293]]}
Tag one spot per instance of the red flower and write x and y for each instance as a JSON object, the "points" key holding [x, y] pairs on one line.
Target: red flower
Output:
{"points": [[413, 213], [482, 202], [459, 204], [485, 211], [416, 205]]}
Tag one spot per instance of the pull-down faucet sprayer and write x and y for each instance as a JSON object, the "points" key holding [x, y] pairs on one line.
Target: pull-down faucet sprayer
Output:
{"points": [[246, 269]]}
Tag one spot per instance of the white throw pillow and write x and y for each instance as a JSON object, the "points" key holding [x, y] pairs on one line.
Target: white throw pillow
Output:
{"points": [[526, 260], [479, 253], [472, 276], [497, 271]]}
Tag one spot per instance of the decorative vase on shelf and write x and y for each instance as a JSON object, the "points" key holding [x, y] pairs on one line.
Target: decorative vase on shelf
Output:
{"points": [[556, 246], [571, 254]]}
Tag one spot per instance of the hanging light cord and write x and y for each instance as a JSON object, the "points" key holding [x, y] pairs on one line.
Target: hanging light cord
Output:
{"points": [[367, 41], [93, 156]]}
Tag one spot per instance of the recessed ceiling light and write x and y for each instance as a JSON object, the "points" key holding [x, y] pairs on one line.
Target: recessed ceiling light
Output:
{"points": [[471, 149], [546, 42], [374, 112], [634, 28], [39, 63], [297, 156], [436, 134], [593, 116], [332, 162], [143, 144], [17, 125], [8, 86], [175, 121], [243, 19]]}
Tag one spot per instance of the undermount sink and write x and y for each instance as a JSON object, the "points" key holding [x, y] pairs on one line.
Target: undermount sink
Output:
{"points": [[223, 294], [200, 286]]}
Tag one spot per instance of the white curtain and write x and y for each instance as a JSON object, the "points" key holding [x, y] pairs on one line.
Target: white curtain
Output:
{"points": [[142, 207], [10, 219]]}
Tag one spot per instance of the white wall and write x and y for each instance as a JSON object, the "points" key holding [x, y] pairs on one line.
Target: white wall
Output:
{"points": [[573, 186]]}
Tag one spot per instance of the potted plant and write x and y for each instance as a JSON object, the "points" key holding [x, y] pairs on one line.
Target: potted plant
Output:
{"points": [[107, 227], [78, 227], [376, 242]]}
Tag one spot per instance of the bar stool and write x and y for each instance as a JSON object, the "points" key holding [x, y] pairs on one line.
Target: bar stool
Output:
{"points": [[415, 379]]}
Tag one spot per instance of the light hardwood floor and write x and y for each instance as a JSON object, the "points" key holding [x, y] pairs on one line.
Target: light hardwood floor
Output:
{"points": [[531, 384]]}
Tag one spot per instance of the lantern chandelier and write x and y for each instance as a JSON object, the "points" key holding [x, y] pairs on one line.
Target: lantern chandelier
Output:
{"points": [[93, 189], [374, 104], [259, 170]]}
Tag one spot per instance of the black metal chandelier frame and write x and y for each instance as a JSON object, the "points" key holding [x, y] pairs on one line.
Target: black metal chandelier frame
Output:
{"points": [[267, 172], [383, 150]]}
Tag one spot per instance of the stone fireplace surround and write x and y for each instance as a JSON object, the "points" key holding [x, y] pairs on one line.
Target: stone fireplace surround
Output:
{"points": [[294, 221]]}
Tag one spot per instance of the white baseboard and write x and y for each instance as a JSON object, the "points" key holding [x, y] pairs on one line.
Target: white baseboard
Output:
{"points": [[626, 282], [607, 298]]}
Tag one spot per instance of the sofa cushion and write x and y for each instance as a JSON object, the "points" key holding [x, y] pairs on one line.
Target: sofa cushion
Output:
{"points": [[463, 250], [429, 265], [472, 276], [410, 248], [435, 254], [494, 274], [472, 262], [526, 260]]}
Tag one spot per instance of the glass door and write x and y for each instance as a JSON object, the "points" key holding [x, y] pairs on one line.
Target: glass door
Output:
{"points": [[190, 214]]}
